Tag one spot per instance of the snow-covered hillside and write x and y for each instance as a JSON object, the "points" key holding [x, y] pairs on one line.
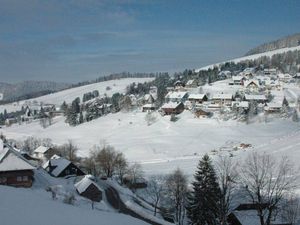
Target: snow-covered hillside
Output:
{"points": [[164, 143], [70, 94], [250, 57], [35, 207]]}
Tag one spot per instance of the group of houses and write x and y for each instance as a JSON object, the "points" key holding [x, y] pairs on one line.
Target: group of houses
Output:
{"points": [[249, 86], [18, 170]]}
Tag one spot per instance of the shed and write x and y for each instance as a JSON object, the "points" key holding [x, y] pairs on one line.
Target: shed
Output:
{"points": [[88, 188], [172, 108]]}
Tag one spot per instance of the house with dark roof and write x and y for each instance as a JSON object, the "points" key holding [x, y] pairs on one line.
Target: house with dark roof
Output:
{"points": [[88, 188], [15, 170], [60, 167]]}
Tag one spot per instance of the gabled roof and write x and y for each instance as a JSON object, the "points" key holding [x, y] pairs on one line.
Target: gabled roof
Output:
{"points": [[84, 183], [41, 149], [255, 97], [222, 96], [196, 96], [11, 160], [176, 95], [59, 163], [171, 105], [190, 82], [248, 82]]}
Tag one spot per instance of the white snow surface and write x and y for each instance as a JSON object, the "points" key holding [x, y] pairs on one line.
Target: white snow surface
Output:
{"points": [[251, 57], [70, 94], [35, 207]]}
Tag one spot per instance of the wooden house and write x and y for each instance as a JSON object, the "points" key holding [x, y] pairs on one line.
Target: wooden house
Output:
{"points": [[202, 113], [172, 108], [43, 152], [255, 98], [222, 99], [148, 107], [60, 167], [88, 188], [191, 84], [14, 169], [197, 98], [177, 96]]}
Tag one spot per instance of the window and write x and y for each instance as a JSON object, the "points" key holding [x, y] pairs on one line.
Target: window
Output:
{"points": [[25, 178], [19, 178], [3, 179]]}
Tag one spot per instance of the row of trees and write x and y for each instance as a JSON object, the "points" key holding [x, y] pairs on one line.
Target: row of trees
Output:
{"points": [[261, 180]]}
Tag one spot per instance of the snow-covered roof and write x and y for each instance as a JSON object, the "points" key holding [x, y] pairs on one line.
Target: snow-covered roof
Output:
{"points": [[248, 82], [274, 105], [190, 82], [41, 149], [242, 104], [84, 183], [237, 78], [196, 96], [59, 163], [148, 106], [176, 95], [255, 97], [222, 96], [170, 105], [10, 160], [247, 217]]}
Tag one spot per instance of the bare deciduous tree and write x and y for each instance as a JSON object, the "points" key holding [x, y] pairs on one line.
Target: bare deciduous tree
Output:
{"points": [[176, 189], [227, 177], [267, 181], [290, 210], [155, 190]]}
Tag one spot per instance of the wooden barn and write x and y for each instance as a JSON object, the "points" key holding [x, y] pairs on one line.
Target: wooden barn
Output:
{"points": [[197, 98], [172, 108], [88, 188], [60, 167], [14, 169], [43, 152]]}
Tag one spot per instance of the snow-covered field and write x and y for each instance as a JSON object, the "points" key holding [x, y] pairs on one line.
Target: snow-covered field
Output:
{"points": [[165, 145], [35, 207], [70, 94], [251, 57]]}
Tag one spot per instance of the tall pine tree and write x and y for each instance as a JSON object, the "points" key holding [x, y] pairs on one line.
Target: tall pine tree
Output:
{"points": [[203, 200]]}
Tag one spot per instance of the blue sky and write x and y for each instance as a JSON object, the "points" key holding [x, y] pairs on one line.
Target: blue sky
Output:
{"points": [[75, 40]]}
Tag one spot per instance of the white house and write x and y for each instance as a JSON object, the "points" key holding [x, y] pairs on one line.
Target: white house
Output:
{"points": [[177, 96]]}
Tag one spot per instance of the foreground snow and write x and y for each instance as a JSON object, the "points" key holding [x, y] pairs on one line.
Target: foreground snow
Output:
{"points": [[35, 207]]}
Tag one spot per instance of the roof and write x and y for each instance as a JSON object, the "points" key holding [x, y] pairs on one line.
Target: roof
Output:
{"points": [[242, 104], [148, 106], [196, 96], [177, 95], [10, 160], [248, 82], [190, 82], [41, 149], [255, 97], [247, 217], [170, 105], [84, 183], [222, 96], [237, 78], [59, 163]]}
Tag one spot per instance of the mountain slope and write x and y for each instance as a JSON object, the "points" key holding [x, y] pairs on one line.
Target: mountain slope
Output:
{"points": [[251, 57], [285, 42]]}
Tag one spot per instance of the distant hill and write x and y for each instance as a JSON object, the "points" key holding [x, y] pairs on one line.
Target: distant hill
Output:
{"points": [[27, 89], [286, 42]]}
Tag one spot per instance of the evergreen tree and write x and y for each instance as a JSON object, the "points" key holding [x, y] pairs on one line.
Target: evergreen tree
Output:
{"points": [[203, 201], [81, 118], [71, 116], [295, 116]]}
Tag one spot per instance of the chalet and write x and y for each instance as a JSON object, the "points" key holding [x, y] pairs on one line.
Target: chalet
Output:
{"points": [[197, 98], [191, 84], [60, 167], [246, 214], [224, 74], [172, 108], [222, 99], [240, 105], [255, 98], [177, 96], [148, 107], [88, 188], [14, 169], [237, 80], [148, 99], [285, 77], [271, 71], [43, 152], [178, 84], [273, 107]]}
